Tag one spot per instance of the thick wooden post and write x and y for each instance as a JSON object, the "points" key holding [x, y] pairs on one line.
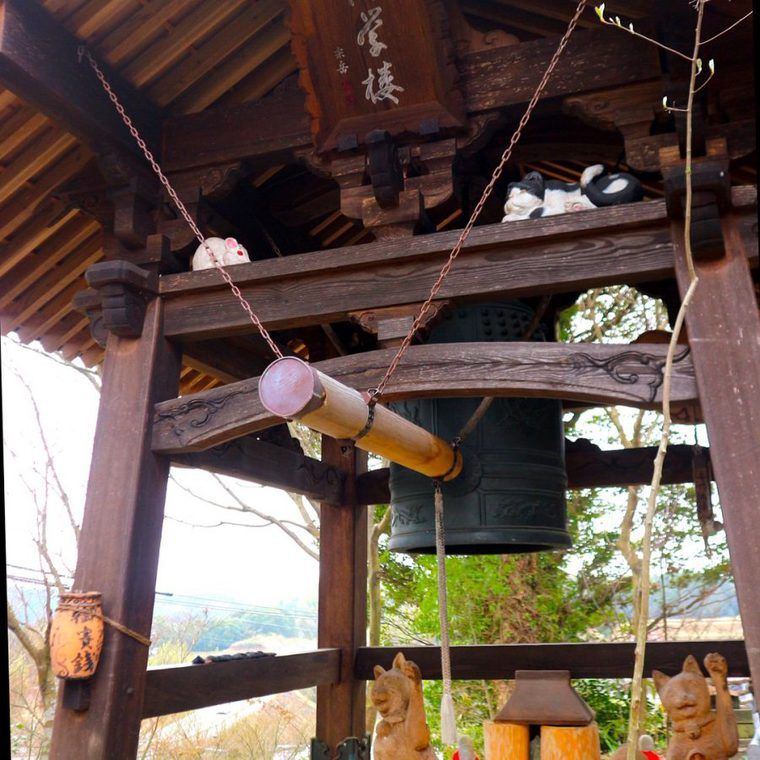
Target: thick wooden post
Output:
{"points": [[342, 597], [724, 334], [119, 544]]}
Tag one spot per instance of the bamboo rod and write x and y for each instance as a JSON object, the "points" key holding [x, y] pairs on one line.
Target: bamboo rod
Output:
{"points": [[292, 389]]}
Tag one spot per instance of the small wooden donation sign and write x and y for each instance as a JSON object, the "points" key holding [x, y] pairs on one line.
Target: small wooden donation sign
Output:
{"points": [[375, 64]]}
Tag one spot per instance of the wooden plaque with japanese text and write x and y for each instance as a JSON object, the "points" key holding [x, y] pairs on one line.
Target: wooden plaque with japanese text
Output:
{"points": [[367, 65]]}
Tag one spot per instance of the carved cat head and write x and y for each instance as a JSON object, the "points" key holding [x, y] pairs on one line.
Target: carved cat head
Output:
{"points": [[391, 690], [525, 195], [685, 697]]}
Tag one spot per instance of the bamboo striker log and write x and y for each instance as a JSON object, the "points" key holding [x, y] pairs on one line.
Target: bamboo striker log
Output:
{"points": [[506, 741], [292, 389], [570, 742]]}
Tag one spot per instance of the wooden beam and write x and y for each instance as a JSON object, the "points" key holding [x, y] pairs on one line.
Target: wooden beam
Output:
{"points": [[342, 619], [270, 465], [38, 62], [592, 660], [119, 544], [176, 689], [603, 374], [571, 252], [587, 467], [272, 129], [724, 331]]}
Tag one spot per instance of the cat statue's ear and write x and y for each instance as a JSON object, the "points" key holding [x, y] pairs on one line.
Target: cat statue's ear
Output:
{"points": [[690, 665], [378, 670], [660, 680], [399, 660]]}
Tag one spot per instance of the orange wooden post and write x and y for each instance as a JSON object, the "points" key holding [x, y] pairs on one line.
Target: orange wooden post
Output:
{"points": [[570, 742], [506, 741], [292, 389]]}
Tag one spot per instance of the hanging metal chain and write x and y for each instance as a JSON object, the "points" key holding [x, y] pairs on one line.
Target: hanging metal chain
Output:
{"points": [[376, 393], [83, 52]]}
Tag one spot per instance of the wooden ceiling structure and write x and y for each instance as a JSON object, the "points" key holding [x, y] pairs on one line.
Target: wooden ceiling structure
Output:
{"points": [[187, 56], [349, 209]]}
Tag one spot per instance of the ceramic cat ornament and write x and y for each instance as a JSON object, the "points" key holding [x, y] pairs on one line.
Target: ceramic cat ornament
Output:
{"points": [[403, 732], [227, 251], [698, 733], [533, 197]]}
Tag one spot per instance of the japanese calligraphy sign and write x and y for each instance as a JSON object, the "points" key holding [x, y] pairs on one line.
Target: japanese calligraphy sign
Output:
{"points": [[375, 64]]}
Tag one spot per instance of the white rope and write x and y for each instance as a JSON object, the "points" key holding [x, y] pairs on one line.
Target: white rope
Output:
{"points": [[448, 715]]}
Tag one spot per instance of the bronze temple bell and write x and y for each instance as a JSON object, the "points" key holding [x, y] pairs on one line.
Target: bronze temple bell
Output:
{"points": [[510, 496]]}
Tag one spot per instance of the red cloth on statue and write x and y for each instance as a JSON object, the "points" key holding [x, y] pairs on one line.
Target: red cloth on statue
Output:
{"points": [[651, 755], [456, 756]]}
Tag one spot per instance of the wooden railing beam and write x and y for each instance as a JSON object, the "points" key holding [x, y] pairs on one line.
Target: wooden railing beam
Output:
{"points": [[567, 253], [269, 465], [190, 687], [583, 660], [587, 467]]}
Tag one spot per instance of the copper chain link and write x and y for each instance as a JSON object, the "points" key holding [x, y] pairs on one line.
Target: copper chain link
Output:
{"points": [[84, 52], [375, 393]]}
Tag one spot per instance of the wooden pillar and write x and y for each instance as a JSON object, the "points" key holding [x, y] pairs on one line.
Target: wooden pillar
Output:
{"points": [[342, 597], [119, 544], [724, 334]]}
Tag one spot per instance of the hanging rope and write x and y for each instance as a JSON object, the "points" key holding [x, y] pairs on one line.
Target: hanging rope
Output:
{"points": [[87, 609], [376, 393], [448, 715], [83, 52]]}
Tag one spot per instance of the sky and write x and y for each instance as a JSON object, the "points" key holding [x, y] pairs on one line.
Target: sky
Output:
{"points": [[253, 565]]}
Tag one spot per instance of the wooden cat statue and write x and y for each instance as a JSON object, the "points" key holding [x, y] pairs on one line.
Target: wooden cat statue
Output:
{"points": [[403, 732], [698, 732]]}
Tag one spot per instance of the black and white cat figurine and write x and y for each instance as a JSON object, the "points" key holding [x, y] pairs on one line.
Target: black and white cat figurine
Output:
{"points": [[533, 197]]}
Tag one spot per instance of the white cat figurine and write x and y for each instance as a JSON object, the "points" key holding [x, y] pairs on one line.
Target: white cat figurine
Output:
{"points": [[533, 197], [227, 251]]}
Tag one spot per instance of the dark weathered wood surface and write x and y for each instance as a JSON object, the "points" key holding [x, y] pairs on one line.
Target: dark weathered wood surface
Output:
{"points": [[38, 62], [120, 538], [724, 331], [270, 465], [593, 59], [587, 467], [342, 619], [603, 374], [624, 244], [583, 660], [272, 128], [175, 689]]}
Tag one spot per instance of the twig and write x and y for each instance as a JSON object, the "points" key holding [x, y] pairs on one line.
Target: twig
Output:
{"points": [[644, 584], [727, 29], [618, 24]]}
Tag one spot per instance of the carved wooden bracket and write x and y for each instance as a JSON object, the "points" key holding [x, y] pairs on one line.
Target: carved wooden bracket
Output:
{"points": [[391, 325], [391, 185], [711, 194], [633, 108], [116, 299], [384, 168]]}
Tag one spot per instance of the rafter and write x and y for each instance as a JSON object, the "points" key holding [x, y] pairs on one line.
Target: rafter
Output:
{"points": [[39, 62]]}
